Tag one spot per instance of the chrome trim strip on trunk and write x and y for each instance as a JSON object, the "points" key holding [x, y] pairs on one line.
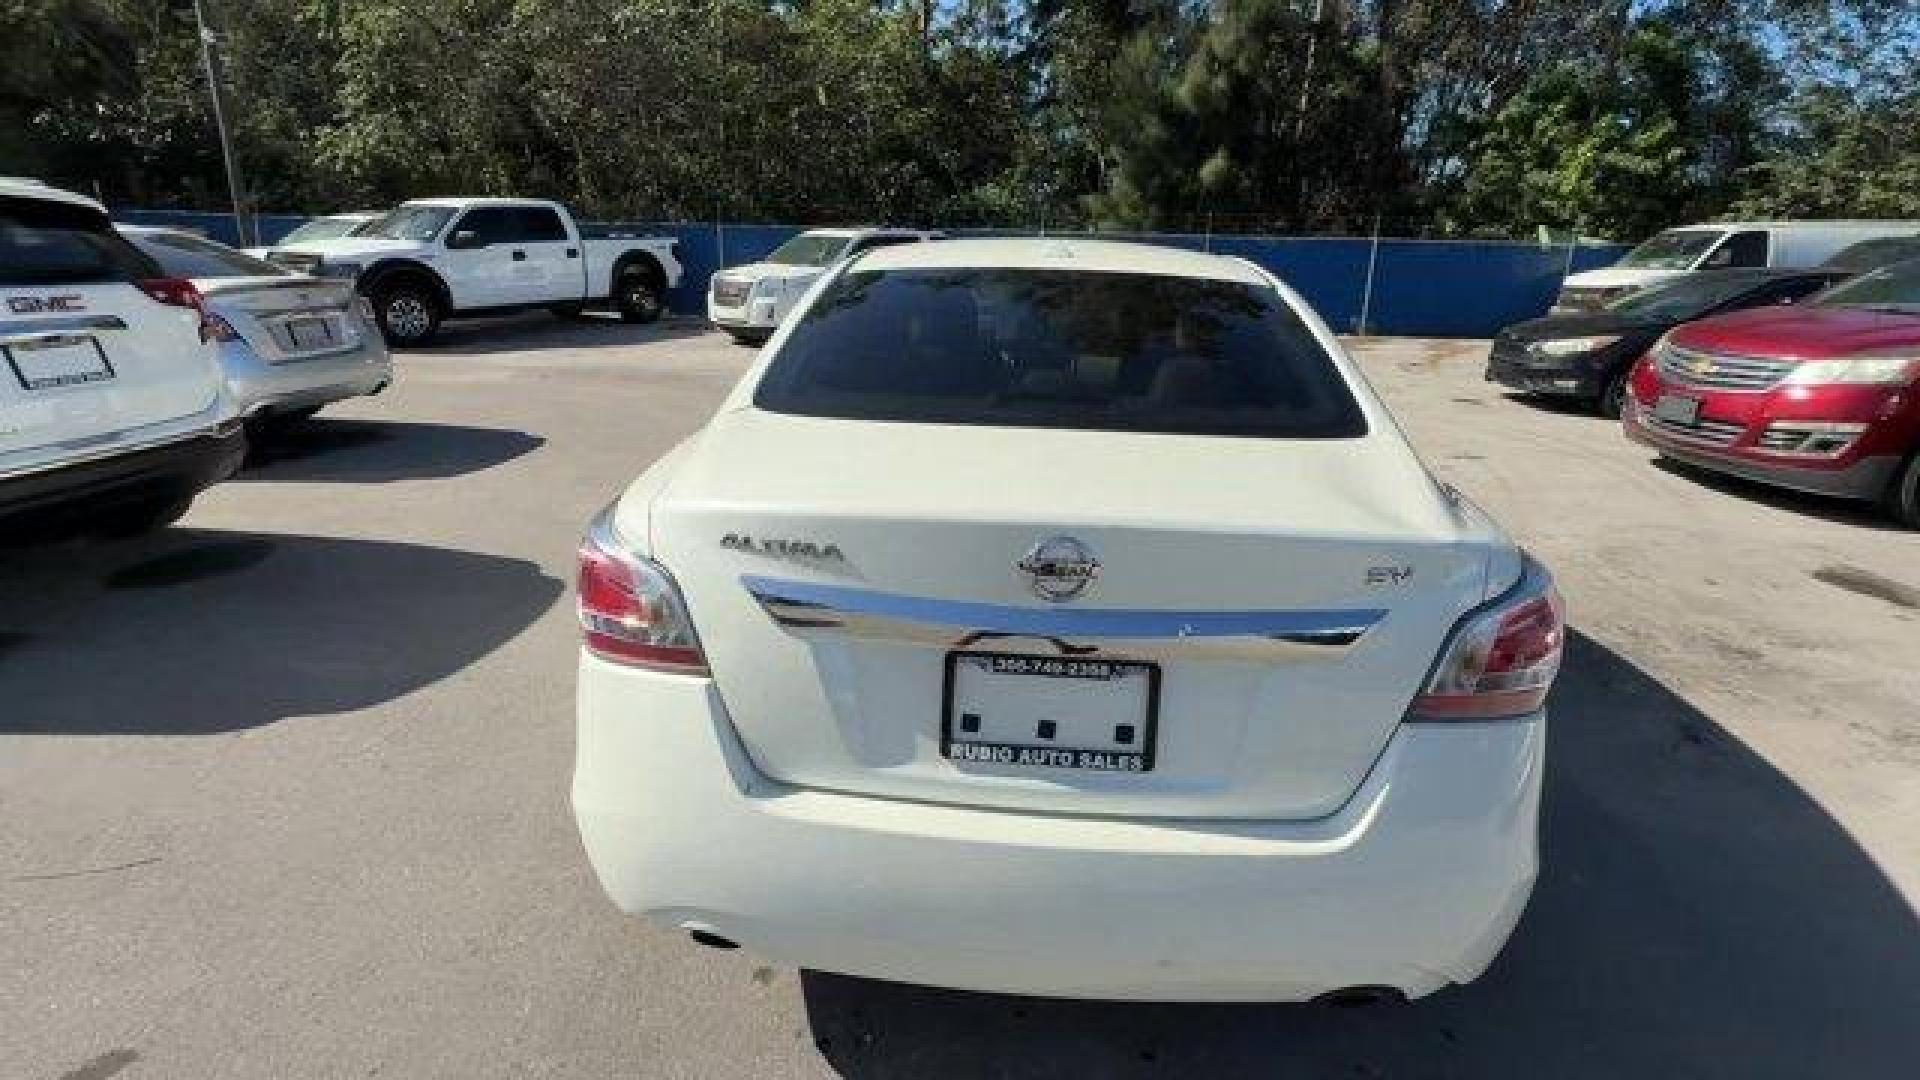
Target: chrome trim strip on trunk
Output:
{"points": [[20, 333], [808, 610]]}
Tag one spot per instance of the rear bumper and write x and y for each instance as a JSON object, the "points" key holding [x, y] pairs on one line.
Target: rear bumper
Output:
{"points": [[178, 468], [262, 388], [1865, 477], [1416, 883]]}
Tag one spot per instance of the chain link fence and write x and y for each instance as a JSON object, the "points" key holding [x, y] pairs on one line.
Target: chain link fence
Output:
{"points": [[1374, 282]]}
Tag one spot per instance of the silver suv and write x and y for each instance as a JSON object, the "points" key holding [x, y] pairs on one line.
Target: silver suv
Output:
{"points": [[113, 412]]}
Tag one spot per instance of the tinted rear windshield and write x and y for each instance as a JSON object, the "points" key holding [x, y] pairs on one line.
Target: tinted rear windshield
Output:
{"points": [[181, 255], [1893, 288], [1064, 349], [50, 243]]}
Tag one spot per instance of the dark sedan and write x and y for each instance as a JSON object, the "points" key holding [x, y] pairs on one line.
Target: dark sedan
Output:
{"points": [[1587, 355]]}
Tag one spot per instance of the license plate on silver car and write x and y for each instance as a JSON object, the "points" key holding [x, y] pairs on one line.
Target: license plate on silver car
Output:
{"points": [[65, 360], [1049, 712], [1677, 409], [309, 333]]}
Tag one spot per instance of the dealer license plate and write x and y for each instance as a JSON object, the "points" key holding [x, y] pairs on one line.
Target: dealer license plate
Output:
{"points": [[64, 360], [1049, 712], [309, 333]]}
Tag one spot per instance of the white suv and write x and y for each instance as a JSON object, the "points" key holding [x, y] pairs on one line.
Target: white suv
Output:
{"points": [[113, 411], [749, 301], [1067, 618]]}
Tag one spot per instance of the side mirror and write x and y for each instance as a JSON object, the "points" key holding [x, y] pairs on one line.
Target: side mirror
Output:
{"points": [[464, 239]]}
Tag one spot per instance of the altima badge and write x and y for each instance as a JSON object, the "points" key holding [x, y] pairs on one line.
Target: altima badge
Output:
{"points": [[1060, 568], [783, 548]]}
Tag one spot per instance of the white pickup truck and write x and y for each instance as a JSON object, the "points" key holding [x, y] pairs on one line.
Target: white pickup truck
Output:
{"points": [[434, 259]]}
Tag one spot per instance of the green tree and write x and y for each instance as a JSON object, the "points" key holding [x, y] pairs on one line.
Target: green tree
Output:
{"points": [[1619, 152]]}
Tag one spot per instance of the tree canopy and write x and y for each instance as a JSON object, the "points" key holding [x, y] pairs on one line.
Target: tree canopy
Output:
{"points": [[1465, 117]]}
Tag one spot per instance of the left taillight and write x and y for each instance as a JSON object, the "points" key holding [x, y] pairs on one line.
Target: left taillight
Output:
{"points": [[179, 292], [631, 612], [1500, 659]]}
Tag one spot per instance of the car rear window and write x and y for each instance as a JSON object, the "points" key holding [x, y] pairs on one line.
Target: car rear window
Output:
{"points": [[1062, 349], [1894, 288], [51, 243], [182, 255]]}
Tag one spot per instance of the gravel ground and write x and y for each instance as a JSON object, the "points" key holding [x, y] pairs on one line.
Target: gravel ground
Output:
{"points": [[283, 790]]}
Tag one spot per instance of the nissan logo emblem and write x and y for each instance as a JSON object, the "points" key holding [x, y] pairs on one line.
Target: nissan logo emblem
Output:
{"points": [[1059, 568]]}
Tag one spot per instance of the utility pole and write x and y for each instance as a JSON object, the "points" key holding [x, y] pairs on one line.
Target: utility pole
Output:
{"points": [[1306, 73], [217, 84]]}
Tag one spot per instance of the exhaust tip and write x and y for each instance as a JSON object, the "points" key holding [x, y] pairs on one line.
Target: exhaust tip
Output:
{"points": [[1360, 997], [712, 940]]}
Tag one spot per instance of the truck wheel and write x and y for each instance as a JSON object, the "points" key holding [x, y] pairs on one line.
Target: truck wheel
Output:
{"points": [[408, 311], [638, 299], [1903, 495]]}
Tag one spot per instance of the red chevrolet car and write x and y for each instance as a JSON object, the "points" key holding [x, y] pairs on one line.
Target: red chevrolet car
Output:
{"points": [[1823, 395]]}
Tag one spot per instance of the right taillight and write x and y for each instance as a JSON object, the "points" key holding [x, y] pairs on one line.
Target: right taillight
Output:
{"points": [[1500, 659], [630, 610]]}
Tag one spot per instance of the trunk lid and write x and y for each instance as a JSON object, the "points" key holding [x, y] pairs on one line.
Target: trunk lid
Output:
{"points": [[870, 569], [287, 318]]}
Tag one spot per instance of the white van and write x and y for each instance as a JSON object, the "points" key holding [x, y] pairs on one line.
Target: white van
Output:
{"points": [[113, 411], [1679, 251]]}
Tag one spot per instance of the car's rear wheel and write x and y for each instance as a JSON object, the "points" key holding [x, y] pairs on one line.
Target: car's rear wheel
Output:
{"points": [[408, 311], [1903, 495], [140, 518], [273, 423], [638, 298]]}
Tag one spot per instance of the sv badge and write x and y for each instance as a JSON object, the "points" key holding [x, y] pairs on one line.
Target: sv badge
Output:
{"points": [[1389, 575]]}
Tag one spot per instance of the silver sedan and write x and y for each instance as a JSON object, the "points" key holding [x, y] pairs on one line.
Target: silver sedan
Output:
{"points": [[289, 344]]}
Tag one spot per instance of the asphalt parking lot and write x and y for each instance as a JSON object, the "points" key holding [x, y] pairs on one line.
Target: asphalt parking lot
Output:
{"points": [[283, 789]]}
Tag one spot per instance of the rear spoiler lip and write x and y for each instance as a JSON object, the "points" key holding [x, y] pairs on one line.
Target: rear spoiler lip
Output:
{"points": [[216, 286]]}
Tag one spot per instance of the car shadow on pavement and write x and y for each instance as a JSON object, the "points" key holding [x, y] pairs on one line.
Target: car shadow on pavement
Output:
{"points": [[538, 330], [339, 451], [193, 631], [1697, 915], [1559, 406]]}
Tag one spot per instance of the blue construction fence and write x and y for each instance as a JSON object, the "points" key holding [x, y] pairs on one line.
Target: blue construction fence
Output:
{"points": [[1417, 288]]}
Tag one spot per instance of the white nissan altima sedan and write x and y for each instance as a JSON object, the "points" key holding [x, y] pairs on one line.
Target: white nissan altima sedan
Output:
{"points": [[1067, 618]]}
